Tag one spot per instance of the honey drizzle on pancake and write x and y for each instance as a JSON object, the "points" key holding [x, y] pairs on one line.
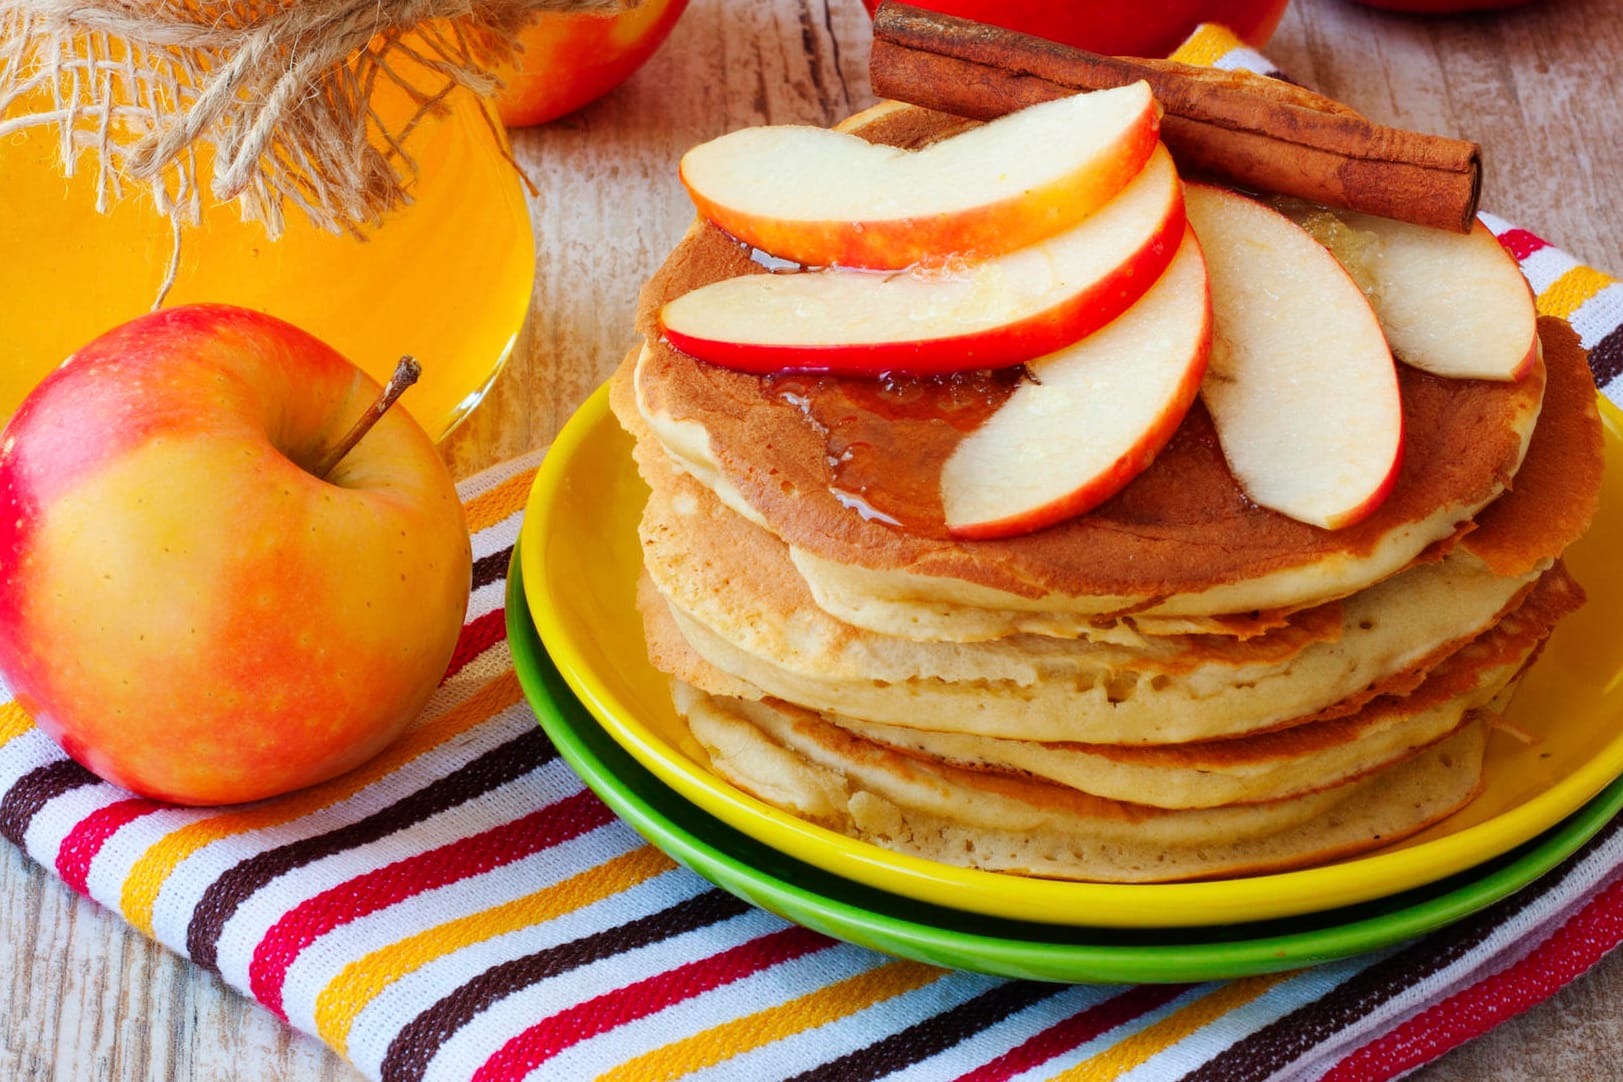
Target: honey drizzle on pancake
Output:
{"points": [[885, 439]]}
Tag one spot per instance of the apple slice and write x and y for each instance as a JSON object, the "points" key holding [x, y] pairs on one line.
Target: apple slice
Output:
{"points": [[1092, 417], [1301, 384], [1452, 304], [1000, 312], [822, 197]]}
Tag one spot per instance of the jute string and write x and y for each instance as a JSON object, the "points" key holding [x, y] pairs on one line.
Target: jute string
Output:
{"points": [[280, 92]]}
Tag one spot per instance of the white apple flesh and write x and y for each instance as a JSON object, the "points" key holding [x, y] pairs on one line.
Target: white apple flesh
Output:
{"points": [[1452, 304], [822, 197], [1301, 385], [1091, 418], [999, 312]]}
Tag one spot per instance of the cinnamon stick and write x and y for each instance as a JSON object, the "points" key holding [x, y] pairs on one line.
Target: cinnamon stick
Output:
{"points": [[1245, 129]]}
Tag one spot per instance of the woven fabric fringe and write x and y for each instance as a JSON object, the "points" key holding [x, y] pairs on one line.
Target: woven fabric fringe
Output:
{"points": [[276, 94]]}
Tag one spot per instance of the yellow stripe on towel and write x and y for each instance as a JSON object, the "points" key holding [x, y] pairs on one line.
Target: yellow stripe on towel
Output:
{"points": [[154, 867], [360, 982], [507, 498], [828, 1004], [1123, 1056], [14, 722], [1207, 45], [1564, 295]]}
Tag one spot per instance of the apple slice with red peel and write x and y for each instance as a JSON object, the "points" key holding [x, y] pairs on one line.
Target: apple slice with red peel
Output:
{"points": [[991, 314], [822, 197], [1301, 385], [1452, 304], [1092, 418]]}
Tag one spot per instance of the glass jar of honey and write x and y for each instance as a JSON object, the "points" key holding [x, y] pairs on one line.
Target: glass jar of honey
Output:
{"points": [[446, 278]]}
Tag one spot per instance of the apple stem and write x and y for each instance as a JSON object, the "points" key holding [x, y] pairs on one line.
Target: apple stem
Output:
{"points": [[405, 374]]}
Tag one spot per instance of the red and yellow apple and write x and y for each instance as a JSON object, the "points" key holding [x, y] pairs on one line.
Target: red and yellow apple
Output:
{"points": [[822, 197], [984, 314], [1092, 416], [1146, 28], [571, 59], [1301, 386], [1440, 7], [187, 609]]}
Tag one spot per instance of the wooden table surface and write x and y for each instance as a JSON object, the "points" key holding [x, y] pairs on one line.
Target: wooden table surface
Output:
{"points": [[86, 998]]}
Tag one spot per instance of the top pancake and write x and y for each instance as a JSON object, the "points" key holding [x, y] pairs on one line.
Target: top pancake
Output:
{"points": [[1181, 538]]}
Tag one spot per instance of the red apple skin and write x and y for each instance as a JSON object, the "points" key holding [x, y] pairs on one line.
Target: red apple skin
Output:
{"points": [[1535, 348], [1440, 7], [1103, 486], [570, 60], [994, 347], [1147, 28], [1355, 515], [185, 609], [988, 230], [1525, 368]]}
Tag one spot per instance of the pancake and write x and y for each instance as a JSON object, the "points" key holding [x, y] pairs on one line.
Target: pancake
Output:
{"points": [[1533, 522], [737, 600], [1556, 492], [661, 471], [795, 761], [670, 652], [1180, 539], [935, 621], [1281, 763], [1178, 684]]}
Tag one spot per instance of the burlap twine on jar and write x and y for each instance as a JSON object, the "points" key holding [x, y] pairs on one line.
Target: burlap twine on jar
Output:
{"points": [[279, 90]]}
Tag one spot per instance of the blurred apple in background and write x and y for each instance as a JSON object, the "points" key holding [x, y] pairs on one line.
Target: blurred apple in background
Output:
{"points": [[1144, 28], [184, 606], [572, 59], [1440, 7]]}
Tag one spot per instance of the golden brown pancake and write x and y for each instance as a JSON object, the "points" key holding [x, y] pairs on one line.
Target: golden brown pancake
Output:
{"points": [[737, 600], [1283, 762], [794, 760], [1183, 527], [1557, 490], [683, 449], [1178, 684]]}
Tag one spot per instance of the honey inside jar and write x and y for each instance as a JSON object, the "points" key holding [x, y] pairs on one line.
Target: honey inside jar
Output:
{"points": [[446, 278]]}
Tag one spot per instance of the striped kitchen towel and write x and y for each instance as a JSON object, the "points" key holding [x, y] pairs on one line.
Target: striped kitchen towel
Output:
{"points": [[464, 908]]}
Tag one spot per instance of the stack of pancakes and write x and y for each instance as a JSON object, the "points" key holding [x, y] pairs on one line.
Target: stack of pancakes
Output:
{"points": [[1177, 684]]}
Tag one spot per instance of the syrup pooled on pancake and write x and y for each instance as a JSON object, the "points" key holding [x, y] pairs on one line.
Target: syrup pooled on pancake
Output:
{"points": [[885, 439], [1181, 528]]}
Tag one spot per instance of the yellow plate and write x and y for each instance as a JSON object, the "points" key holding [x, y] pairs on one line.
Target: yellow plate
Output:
{"points": [[580, 558]]}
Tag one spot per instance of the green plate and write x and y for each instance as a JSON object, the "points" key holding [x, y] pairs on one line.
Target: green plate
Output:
{"points": [[939, 936]]}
